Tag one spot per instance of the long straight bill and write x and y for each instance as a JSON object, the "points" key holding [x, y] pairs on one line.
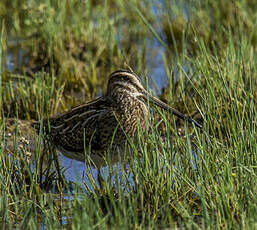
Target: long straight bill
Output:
{"points": [[164, 106]]}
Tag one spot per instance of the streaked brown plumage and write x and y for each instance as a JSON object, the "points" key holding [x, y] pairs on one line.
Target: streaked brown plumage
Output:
{"points": [[110, 118]]}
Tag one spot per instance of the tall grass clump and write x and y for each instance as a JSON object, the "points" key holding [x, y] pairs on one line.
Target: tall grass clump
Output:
{"points": [[176, 176]]}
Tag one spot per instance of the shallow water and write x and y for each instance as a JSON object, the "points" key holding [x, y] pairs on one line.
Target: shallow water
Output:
{"points": [[76, 172]]}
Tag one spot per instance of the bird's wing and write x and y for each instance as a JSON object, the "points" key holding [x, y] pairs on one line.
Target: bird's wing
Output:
{"points": [[79, 116], [82, 126]]}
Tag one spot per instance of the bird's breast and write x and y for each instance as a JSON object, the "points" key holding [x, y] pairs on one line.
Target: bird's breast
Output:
{"points": [[132, 114]]}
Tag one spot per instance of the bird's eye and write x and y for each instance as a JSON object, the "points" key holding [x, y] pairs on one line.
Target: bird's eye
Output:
{"points": [[126, 78]]}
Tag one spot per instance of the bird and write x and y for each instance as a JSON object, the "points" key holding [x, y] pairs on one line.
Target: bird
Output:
{"points": [[109, 120]]}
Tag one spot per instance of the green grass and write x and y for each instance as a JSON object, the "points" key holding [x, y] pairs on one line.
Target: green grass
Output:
{"points": [[72, 46]]}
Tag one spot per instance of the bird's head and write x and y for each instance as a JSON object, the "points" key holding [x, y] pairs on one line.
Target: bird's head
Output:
{"points": [[128, 83]]}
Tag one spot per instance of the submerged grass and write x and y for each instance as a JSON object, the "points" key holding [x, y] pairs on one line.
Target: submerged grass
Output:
{"points": [[195, 179]]}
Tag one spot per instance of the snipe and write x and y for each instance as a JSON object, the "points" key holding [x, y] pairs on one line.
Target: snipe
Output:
{"points": [[111, 118]]}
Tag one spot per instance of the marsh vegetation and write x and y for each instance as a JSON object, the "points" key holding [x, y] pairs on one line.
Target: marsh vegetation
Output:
{"points": [[197, 56]]}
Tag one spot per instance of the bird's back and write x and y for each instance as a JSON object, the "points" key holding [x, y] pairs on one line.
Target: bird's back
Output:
{"points": [[74, 130]]}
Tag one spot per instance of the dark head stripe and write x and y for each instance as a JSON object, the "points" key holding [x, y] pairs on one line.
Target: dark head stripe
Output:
{"points": [[124, 73]]}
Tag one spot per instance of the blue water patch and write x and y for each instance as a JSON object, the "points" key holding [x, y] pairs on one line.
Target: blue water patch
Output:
{"points": [[77, 172], [10, 64], [119, 175]]}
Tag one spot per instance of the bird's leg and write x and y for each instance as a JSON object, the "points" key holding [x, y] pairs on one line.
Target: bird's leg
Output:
{"points": [[41, 161], [51, 157], [57, 165]]}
